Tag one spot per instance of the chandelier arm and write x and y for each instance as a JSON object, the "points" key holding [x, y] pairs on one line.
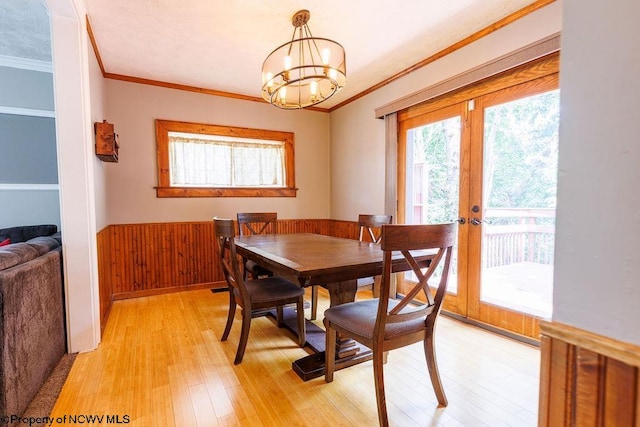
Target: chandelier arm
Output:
{"points": [[311, 40], [293, 37], [301, 72], [301, 53]]}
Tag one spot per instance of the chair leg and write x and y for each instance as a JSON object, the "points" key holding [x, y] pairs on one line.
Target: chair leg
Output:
{"points": [[280, 316], [302, 323], [244, 335], [314, 302], [244, 269], [231, 315], [378, 363], [375, 288], [329, 353], [432, 365]]}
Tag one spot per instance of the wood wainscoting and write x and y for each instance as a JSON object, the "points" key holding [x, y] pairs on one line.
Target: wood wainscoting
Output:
{"points": [[136, 260], [587, 379]]}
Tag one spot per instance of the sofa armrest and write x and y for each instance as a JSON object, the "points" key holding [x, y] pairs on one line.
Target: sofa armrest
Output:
{"points": [[32, 329]]}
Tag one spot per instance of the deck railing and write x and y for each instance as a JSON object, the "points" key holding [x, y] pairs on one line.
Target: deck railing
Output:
{"points": [[515, 235]]}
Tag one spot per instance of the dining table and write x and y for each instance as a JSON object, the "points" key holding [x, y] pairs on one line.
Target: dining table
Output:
{"points": [[332, 262]]}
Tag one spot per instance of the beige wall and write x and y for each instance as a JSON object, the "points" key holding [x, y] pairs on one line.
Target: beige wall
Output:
{"points": [[357, 138], [97, 88], [133, 108], [339, 159]]}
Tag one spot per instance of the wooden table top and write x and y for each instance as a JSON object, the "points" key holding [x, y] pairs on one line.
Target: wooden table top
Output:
{"points": [[313, 259]]}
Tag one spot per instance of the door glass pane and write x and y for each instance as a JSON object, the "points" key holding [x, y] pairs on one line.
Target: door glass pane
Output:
{"points": [[433, 178], [519, 190]]}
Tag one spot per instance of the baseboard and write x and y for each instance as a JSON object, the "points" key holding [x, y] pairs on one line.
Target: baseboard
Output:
{"points": [[105, 317], [168, 290], [494, 329]]}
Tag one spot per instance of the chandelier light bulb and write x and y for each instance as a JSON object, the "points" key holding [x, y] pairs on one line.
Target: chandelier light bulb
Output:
{"points": [[313, 89], [287, 62], [268, 78], [326, 55]]}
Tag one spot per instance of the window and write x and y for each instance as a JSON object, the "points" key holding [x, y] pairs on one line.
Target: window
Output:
{"points": [[201, 160]]}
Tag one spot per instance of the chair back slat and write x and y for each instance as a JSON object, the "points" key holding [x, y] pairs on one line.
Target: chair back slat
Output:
{"points": [[403, 239], [412, 237], [250, 223], [372, 225], [423, 278], [225, 236]]}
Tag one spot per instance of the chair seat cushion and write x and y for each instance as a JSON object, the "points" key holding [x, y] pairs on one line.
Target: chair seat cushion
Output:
{"points": [[360, 318], [257, 269], [272, 289]]}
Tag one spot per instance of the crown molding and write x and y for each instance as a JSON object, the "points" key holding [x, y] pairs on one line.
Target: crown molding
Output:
{"points": [[521, 13], [506, 62], [94, 45]]}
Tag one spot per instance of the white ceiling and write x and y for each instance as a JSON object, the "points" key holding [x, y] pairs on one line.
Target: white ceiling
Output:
{"points": [[221, 44]]}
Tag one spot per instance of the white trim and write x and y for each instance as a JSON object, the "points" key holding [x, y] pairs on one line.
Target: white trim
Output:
{"points": [[27, 112], [74, 133], [29, 187], [26, 64]]}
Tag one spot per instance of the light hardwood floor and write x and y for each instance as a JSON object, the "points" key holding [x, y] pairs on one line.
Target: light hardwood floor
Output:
{"points": [[161, 363]]}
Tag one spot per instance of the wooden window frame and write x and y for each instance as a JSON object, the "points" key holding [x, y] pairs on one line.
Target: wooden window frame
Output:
{"points": [[164, 188]]}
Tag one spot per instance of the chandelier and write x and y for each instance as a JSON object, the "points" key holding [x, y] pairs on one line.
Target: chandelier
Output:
{"points": [[305, 71]]}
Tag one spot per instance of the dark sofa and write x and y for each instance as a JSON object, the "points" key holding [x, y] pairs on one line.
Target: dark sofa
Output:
{"points": [[32, 326], [28, 232]]}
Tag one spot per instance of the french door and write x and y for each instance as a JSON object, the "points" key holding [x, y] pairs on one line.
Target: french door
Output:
{"points": [[489, 163]]}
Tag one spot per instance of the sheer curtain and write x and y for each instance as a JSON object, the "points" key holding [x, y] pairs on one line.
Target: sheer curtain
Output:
{"points": [[207, 163]]}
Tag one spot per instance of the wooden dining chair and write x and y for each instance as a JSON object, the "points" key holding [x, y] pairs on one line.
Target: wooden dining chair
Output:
{"points": [[384, 324], [253, 294], [250, 223], [370, 229]]}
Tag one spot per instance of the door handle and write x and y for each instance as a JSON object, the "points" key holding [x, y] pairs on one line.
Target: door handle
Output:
{"points": [[461, 220], [477, 221]]}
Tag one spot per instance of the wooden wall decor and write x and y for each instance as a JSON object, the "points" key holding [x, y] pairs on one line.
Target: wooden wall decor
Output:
{"points": [[587, 379], [106, 142]]}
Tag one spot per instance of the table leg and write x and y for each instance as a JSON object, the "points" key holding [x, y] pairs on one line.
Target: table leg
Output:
{"points": [[348, 351], [341, 293]]}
